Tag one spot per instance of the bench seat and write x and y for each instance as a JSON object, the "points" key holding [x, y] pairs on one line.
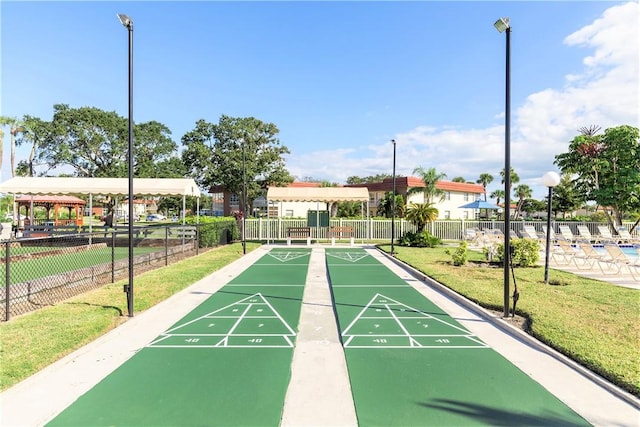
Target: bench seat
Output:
{"points": [[298, 233], [341, 232]]}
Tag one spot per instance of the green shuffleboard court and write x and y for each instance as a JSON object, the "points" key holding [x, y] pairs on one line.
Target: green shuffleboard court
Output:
{"points": [[411, 364], [227, 363]]}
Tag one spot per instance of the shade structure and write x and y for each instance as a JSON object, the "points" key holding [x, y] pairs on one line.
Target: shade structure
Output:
{"points": [[105, 186], [480, 204], [322, 194]]}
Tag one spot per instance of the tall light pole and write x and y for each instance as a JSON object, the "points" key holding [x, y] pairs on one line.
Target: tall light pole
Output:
{"points": [[503, 25], [393, 200], [244, 197], [549, 179], [128, 24]]}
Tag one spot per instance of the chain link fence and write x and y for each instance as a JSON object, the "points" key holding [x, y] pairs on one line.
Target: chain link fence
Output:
{"points": [[42, 271]]}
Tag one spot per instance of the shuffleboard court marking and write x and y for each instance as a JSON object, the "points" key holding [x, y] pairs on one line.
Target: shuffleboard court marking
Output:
{"points": [[249, 322], [349, 256], [387, 323], [287, 256]]}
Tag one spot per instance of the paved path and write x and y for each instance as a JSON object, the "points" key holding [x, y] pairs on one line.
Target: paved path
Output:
{"points": [[319, 390]]}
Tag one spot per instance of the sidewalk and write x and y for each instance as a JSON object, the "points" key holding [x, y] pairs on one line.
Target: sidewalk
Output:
{"points": [[319, 391]]}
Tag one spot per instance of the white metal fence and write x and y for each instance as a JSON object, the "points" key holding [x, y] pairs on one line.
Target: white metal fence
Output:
{"points": [[274, 229]]}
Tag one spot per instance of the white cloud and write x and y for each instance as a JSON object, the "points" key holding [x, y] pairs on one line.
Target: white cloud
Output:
{"points": [[604, 93]]}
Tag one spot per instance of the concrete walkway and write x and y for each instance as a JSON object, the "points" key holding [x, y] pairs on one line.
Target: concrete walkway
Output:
{"points": [[319, 391]]}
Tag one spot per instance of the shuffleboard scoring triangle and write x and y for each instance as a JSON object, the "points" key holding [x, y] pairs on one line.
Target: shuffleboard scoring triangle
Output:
{"points": [[249, 322], [348, 256], [387, 323]]}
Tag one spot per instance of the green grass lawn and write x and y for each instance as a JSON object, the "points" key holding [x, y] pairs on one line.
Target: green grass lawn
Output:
{"points": [[32, 268], [593, 322]]}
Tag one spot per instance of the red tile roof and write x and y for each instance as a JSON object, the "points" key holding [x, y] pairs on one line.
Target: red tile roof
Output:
{"points": [[405, 182]]}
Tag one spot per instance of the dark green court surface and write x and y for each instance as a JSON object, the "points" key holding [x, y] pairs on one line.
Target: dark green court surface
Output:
{"points": [[411, 364], [227, 363]]}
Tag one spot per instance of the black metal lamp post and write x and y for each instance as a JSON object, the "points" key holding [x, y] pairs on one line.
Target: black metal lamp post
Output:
{"points": [[128, 23], [549, 179], [502, 25], [393, 200], [244, 197]]}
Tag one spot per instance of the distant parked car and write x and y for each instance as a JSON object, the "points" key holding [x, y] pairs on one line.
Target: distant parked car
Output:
{"points": [[156, 217]]}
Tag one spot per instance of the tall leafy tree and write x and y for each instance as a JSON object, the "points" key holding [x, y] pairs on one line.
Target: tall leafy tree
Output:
{"points": [[565, 197], [368, 179], [485, 179], [214, 155], [94, 143], [90, 141], [606, 168], [35, 132], [430, 177]]}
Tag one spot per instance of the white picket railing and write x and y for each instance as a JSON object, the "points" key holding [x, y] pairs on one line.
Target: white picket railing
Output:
{"points": [[275, 229]]}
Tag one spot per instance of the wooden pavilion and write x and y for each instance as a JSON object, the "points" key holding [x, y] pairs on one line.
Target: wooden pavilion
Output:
{"points": [[53, 205]]}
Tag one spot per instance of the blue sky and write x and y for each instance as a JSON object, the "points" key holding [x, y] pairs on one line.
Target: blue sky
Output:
{"points": [[339, 79]]}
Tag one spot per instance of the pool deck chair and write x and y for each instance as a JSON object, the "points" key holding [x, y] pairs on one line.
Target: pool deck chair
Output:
{"points": [[563, 253], [605, 235], [589, 256], [626, 237], [567, 234], [586, 235], [617, 260], [554, 237], [530, 232]]}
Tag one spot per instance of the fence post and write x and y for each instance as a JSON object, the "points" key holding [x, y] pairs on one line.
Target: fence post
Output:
{"points": [[113, 256], [7, 276], [166, 245]]}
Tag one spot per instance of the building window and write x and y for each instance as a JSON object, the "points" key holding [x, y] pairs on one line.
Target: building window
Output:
{"points": [[288, 212], [465, 214], [466, 197], [447, 195], [447, 214]]}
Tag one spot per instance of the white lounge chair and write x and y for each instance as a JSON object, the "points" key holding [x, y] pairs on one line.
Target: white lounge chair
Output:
{"points": [[605, 235], [626, 237], [617, 260], [585, 234], [566, 233]]}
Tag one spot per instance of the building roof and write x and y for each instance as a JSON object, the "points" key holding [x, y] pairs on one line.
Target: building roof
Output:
{"points": [[106, 186], [317, 194], [405, 182], [60, 200]]}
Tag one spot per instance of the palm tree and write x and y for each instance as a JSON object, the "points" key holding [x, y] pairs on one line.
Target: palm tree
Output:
{"points": [[522, 191], [498, 195], [514, 178], [485, 179], [16, 126], [430, 177], [420, 214]]}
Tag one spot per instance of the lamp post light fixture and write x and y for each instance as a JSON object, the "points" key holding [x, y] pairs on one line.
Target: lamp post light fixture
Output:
{"points": [[502, 25], [128, 24], [393, 200], [549, 179]]}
